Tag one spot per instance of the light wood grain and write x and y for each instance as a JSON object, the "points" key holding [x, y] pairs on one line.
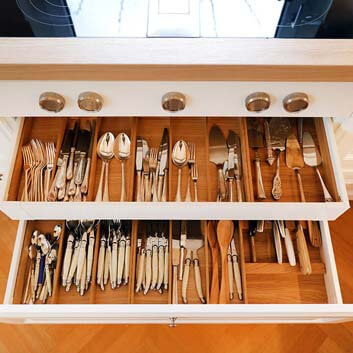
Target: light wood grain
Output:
{"points": [[248, 59]]}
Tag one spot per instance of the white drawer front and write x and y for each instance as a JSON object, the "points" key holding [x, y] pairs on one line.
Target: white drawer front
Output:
{"points": [[334, 311]]}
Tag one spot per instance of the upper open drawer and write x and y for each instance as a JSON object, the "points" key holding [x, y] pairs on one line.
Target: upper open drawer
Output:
{"points": [[191, 129]]}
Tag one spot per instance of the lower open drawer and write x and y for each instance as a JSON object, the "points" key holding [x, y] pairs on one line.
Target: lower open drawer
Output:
{"points": [[272, 292]]}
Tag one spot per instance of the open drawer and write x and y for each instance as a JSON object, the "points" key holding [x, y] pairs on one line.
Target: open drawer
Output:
{"points": [[272, 292], [196, 130]]}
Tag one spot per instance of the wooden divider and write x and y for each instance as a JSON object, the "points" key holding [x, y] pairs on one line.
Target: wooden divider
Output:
{"points": [[268, 282]]}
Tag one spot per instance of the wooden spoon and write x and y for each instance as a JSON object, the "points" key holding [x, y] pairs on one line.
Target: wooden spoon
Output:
{"points": [[225, 230], [212, 240]]}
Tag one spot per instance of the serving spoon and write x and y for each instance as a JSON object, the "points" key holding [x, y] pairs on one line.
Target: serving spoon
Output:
{"points": [[122, 153], [105, 151], [180, 157]]}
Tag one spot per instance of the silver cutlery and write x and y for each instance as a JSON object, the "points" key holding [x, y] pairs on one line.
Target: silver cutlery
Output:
{"points": [[190, 163], [218, 154], [122, 153], [180, 156], [313, 159], [194, 242], [163, 167], [85, 182], [182, 245], [138, 162]]}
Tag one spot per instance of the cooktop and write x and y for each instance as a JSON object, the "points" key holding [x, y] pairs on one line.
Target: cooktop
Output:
{"points": [[182, 18]]}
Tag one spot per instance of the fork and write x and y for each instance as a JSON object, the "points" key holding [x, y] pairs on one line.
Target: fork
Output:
{"points": [[146, 172], [37, 161], [191, 163], [194, 177], [43, 164], [50, 153], [27, 165], [153, 178]]}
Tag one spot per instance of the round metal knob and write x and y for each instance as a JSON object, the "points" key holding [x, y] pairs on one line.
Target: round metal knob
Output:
{"points": [[90, 101], [258, 101], [295, 102], [173, 101], [51, 101]]}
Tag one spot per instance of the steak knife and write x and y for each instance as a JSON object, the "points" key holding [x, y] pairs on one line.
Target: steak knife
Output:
{"points": [[85, 182]]}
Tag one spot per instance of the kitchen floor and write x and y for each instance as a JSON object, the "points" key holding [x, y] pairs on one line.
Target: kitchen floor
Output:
{"points": [[330, 338]]}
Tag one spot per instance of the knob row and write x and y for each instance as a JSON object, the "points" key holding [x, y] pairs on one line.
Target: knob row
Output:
{"points": [[174, 101]]}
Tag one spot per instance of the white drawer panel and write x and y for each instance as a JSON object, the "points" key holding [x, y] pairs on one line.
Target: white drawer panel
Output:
{"points": [[203, 98], [184, 210], [168, 314]]}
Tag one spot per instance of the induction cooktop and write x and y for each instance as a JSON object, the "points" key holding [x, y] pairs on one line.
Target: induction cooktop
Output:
{"points": [[181, 18]]}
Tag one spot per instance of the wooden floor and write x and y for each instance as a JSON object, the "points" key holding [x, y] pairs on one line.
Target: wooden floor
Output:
{"points": [[330, 338]]}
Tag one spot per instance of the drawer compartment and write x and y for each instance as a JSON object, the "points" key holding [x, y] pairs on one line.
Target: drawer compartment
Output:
{"points": [[272, 292], [191, 129]]}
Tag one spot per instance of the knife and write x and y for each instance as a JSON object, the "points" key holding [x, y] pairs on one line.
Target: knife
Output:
{"points": [[270, 159], [252, 233], [65, 148], [231, 143], [183, 237], [85, 182], [175, 261], [163, 166], [238, 167], [138, 162], [69, 173], [236, 269], [277, 241], [218, 154], [83, 146], [77, 140]]}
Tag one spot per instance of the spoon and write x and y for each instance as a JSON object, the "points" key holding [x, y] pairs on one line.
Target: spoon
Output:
{"points": [[105, 153], [122, 153], [225, 230], [180, 156]]}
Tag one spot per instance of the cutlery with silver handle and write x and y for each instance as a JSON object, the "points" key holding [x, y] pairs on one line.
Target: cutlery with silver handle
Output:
{"points": [[218, 154], [163, 167], [238, 167], [231, 144], [85, 182], [190, 163], [69, 171], [138, 162]]}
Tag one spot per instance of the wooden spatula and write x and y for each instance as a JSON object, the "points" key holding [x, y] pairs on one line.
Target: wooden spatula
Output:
{"points": [[212, 240], [294, 160], [225, 230]]}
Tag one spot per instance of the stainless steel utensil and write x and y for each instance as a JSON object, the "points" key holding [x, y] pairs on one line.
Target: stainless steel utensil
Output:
{"points": [[180, 156], [105, 151], [313, 159], [256, 140], [279, 130], [122, 153], [218, 154]]}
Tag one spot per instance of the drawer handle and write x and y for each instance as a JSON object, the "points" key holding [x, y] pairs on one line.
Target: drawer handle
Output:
{"points": [[51, 101], [173, 101], [172, 323], [257, 101], [295, 102], [90, 101]]}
